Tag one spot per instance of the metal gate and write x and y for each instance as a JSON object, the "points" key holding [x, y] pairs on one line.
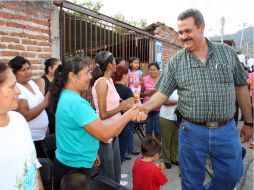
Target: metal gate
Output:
{"points": [[84, 32]]}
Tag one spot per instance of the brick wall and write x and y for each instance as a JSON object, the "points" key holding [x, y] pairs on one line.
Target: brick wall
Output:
{"points": [[25, 31], [167, 34]]}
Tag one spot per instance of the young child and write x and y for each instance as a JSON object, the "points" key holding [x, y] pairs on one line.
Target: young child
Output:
{"points": [[75, 180], [135, 76], [146, 174]]}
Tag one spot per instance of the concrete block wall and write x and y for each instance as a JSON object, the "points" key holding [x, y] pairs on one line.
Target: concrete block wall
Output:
{"points": [[25, 30]]}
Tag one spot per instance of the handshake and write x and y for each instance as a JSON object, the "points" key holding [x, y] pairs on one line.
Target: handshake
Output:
{"points": [[135, 111]]}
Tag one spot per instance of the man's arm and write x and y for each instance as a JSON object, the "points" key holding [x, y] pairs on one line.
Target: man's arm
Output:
{"points": [[155, 101], [242, 94]]}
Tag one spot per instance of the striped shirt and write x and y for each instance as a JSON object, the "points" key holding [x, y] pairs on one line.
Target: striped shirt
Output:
{"points": [[206, 90]]}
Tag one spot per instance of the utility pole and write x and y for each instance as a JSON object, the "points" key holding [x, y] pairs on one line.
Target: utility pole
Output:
{"points": [[247, 51], [222, 29], [241, 42], [253, 42]]}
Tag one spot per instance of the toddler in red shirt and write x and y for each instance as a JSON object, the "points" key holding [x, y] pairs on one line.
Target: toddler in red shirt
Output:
{"points": [[146, 174]]}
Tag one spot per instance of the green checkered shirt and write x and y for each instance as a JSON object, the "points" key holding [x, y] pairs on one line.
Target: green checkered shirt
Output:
{"points": [[206, 90]]}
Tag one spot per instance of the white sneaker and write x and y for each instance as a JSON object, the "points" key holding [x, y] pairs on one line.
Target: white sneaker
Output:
{"points": [[123, 183], [124, 175]]}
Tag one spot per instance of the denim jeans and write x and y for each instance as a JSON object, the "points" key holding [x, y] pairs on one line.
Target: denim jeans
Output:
{"points": [[153, 123], [221, 144]]}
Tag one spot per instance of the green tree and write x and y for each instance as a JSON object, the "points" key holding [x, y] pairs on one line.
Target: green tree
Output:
{"points": [[137, 23], [89, 4], [96, 6]]}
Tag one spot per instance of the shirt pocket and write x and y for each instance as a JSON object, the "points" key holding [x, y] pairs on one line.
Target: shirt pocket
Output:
{"points": [[188, 77], [222, 74]]}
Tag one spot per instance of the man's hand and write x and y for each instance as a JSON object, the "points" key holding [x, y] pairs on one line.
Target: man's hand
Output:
{"points": [[138, 114], [143, 108], [246, 133]]}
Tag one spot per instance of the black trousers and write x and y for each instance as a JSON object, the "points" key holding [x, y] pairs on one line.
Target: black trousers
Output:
{"points": [[59, 170], [39, 150]]}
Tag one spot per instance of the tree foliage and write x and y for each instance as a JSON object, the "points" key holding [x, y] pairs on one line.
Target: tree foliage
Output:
{"points": [[140, 23], [89, 4], [96, 6]]}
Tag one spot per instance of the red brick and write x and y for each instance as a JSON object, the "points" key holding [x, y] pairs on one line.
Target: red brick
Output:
{"points": [[10, 53], [31, 48], [2, 46], [44, 55], [17, 47], [27, 27], [41, 22], [38, 74], [22, 34], [47, 50], [45, 31], [37, 61], [34, 48], [24, 18], [3, 33], [2, 23], [38, 37], [6, 15], [43, 43], [35, 67], [27, 41], [9, 39], [15, 25], [30, 12], [28, 54], [32, 28], [10, 6]]}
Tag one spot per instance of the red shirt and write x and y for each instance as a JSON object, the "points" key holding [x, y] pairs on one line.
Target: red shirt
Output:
{"points": [[147, 176]]}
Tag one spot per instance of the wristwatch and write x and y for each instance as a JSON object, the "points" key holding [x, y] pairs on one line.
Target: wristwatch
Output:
{"points": [[248, 124]]}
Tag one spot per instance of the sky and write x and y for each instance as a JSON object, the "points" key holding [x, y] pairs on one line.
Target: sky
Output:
{"points": [[235, 12]]}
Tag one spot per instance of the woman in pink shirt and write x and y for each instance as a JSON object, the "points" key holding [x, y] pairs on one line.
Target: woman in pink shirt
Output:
{"points": [[152, 121], [106, 101]]}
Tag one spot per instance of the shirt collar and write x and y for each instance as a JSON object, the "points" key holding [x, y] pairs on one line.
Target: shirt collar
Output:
{"points": [[194, 62]]}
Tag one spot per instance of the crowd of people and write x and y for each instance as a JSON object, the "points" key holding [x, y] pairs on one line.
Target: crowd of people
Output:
{"points": [[188, 108]]}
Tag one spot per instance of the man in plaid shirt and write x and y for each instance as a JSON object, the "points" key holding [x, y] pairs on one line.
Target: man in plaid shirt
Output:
{"points": [[208, 78]]}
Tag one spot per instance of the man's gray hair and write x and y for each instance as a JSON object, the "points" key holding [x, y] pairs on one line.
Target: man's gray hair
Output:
{"points": [[195, 13]]}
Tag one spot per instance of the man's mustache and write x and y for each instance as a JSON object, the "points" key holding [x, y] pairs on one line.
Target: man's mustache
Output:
{"points": [[188, 39]]}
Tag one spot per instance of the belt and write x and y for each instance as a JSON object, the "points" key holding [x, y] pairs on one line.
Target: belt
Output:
{"points": [[209, 124]]}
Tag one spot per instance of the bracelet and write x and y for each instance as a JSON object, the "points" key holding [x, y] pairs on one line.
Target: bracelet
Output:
{"points": [[248, 124]]}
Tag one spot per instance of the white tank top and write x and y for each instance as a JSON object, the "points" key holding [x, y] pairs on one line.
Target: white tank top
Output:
{"points": [[39, 124]]}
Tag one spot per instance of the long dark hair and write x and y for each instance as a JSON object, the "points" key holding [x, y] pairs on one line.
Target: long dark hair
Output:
{"points": [[49, 63], [72, 64], [102, 59]]}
